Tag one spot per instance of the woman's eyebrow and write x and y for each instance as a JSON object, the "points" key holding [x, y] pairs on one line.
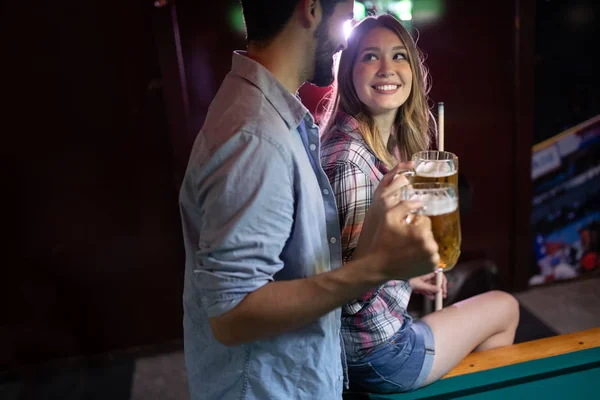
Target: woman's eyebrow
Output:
{"points": [[370, 49], [373, 48]]}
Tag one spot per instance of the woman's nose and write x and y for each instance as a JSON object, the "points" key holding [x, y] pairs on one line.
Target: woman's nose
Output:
{"points": [[384, 73], [384, 70]]}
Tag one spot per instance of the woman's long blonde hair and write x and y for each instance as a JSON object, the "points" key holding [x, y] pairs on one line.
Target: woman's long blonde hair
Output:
{"points": [[414, 124]]}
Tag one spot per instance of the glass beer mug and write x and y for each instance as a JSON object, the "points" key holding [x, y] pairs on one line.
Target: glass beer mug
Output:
{"points": [[433, 166], [440, 204]]}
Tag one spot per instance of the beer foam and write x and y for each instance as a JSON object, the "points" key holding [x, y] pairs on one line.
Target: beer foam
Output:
{"points": [[434, 169], [441, 207], [436, 205]]}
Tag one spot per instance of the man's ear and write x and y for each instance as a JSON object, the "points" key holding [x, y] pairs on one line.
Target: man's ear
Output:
{"points": [[310, 13]]}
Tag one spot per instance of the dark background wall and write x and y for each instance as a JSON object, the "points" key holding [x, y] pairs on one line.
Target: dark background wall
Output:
{"points": [[567, 83], [104, 100], [94, 261]]}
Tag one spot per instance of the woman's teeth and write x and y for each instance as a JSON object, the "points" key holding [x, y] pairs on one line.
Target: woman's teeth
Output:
{"points": [[387, 87]]}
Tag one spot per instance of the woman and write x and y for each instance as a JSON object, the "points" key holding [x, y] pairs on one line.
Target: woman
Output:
{"points": [[379, 118]]}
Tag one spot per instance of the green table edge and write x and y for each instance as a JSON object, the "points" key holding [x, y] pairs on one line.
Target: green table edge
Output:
{"points": [[503, 376]]}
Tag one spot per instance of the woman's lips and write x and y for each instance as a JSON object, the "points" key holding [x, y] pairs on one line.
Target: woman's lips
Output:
{"points": [[386, 89]]}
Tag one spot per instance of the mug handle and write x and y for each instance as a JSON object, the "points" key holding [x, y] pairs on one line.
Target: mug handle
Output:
{"points": [[409, 173], [413, 213]]}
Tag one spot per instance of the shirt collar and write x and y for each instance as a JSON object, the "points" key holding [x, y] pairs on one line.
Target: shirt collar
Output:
{"points": [[289, 107]]}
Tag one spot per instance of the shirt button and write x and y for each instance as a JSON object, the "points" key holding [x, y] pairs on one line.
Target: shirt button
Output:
{"points": [[313, 146], [325, 191], [332, 240]]}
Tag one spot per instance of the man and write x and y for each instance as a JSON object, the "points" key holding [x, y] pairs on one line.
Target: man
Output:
{"points": [[263, 283]]}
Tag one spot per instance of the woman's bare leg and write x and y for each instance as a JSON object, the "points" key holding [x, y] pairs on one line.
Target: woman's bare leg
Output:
{"points": [[481, 322]]}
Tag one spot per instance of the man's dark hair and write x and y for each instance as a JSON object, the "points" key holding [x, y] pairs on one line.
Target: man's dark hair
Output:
{"points": [[266, 18]]}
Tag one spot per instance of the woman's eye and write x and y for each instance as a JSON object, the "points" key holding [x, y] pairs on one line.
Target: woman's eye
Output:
{"points": [[400, 56], [369, 57]]}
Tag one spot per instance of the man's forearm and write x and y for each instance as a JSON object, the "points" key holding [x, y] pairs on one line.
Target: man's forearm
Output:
{"points": [[283, 306]]}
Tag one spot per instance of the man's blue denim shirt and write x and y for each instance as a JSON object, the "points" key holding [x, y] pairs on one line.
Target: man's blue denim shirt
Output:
{"points": [[257, 207]]}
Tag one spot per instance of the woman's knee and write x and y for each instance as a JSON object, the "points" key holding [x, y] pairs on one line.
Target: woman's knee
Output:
{"points": [[507, 306]]}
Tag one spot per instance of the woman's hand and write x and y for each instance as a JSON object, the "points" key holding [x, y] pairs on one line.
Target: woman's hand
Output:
{"points": [[425, 285], [387, 193], [385, 197]]}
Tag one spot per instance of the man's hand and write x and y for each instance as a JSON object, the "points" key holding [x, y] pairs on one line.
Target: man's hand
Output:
{"points": [[400, 249], [403, 249], [426, 285]]}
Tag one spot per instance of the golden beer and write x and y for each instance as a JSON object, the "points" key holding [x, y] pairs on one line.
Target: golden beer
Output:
{"points": [[440, 201], [426, 178], [447, 234], [435, 167]]}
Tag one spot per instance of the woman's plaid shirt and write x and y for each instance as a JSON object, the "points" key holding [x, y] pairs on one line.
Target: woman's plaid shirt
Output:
{"points": [[354, 172]]}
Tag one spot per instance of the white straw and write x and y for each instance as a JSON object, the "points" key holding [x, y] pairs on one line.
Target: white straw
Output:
{"points": [[441, 126], [439, 300], [439, 277]]}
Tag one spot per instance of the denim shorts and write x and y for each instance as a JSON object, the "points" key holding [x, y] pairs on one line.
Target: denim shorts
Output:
{"points": [[401, 364]]}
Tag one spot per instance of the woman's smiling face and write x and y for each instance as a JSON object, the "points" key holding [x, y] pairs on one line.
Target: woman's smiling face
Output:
{"points": [[382, 75]]}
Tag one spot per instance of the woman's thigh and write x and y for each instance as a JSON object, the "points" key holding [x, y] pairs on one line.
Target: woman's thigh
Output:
{"points": [[461, 327]]}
